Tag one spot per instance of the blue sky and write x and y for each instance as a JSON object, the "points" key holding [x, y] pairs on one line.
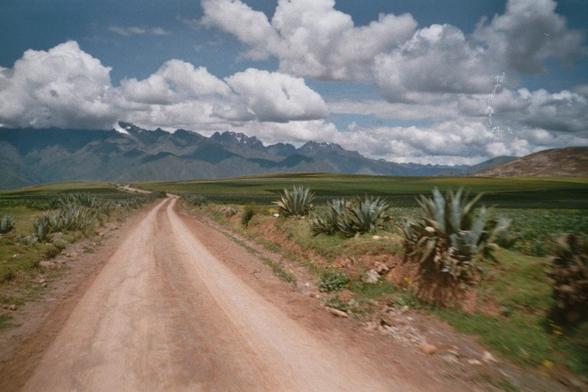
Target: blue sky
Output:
{"points": [[432, 105], [42, 24]]}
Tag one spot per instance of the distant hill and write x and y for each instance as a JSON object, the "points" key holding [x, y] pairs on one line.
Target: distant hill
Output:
{"points": [[130, 153], [570, 161], [474, 169]]}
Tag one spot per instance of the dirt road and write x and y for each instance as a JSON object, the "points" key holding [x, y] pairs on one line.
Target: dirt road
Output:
{"points": [[165, 314]]}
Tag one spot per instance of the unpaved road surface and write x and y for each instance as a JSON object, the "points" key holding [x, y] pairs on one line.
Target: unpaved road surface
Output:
{"points": [[131, 189], [165, 314]]}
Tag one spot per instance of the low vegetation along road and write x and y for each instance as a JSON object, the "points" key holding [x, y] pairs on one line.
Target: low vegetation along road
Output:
{"points": [[166, 314]]}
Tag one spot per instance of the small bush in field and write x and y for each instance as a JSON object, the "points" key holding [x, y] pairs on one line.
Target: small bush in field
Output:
{"points": [[247, 215], [351, 217], [196, 200], [6, 224], [568, 272], [72, 217], [327, 219], [363, 216], [43, 226], [229, 211], [52, 251], [333, 281]]}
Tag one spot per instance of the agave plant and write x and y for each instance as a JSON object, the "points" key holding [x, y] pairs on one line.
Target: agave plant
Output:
{"points": [[73, 217], [452, 238], [43, 226], [78, 199], [327, 220], [6, 224], [363, 216], [296, 201], [568, 272]]}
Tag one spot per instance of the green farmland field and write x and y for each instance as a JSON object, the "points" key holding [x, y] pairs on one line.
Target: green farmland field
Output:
{"points": [[44, 192], [503, 192]]}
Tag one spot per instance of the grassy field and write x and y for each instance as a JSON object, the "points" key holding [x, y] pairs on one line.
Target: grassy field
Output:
{"points": [[46, 192], [504, 192]]}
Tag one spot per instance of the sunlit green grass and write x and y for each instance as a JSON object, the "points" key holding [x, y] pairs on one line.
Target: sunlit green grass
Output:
{"points": [[331, 246], [40, 193]]}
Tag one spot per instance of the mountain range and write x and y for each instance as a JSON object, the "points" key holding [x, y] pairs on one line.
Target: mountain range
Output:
{"points": [[130, 153]]}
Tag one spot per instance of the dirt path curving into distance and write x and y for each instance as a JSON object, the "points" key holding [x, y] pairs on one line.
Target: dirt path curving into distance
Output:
{"points": [[166, 314]]}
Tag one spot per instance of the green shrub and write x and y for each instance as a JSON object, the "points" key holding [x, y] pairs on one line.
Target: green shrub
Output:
{"points": [[336, 303], [196, 200], [77, 199], [72, 217], [351, 217], [568, 272], [331, 280], [6, 224], [81, 212], [43, 226], [296, 201], [7, 275], [451, 238], [59, 241], [363, 216], [229, 211], [507, 240], [327, 219], [52, 251], [247, 215]]}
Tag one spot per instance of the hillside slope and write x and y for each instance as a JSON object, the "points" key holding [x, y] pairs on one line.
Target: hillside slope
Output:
{"points": [[569, 161]]}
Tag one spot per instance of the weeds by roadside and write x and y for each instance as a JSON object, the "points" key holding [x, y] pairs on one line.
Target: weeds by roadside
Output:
{"points": [[331, 280], [514, 294], [279, 270], [42, 229], [247, 215]]}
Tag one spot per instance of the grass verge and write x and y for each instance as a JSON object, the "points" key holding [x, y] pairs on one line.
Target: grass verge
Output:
{"points": [[23, 276], [512, 300]]}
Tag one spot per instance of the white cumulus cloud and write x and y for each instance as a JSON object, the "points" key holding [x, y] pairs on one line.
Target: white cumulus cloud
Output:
{"points": [[450, 142], [273, 96], [68, 88], [313, 38], [61, 87], [436, 59], [527, 34], [174, 81]]}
